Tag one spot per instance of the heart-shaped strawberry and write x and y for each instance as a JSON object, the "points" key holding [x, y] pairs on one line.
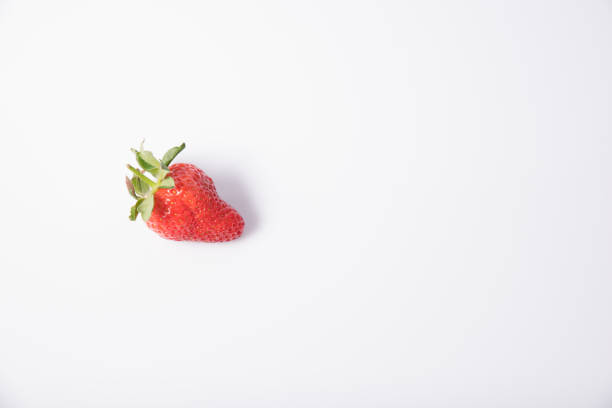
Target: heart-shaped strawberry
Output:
{"points": [[182, 204]]}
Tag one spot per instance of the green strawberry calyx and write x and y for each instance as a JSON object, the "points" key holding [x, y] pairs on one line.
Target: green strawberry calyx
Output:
{"points": [[141, 187]]}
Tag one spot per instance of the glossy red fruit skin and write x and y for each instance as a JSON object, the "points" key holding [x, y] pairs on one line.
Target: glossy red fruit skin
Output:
{"points": [[192, 210]]}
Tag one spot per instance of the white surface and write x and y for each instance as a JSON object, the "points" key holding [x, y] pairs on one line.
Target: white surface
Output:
{"points": [[427, 189]]}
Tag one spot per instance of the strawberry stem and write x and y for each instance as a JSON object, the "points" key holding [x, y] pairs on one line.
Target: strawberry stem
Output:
{"points": [[158, 169]]}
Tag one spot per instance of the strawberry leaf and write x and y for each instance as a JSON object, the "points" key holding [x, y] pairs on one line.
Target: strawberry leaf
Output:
{"points": [[140, 187], [159, 173], [147, 161], [130, 187], [146, 207], [141, 176], [134, 210], [168, 182], [171, 154]]}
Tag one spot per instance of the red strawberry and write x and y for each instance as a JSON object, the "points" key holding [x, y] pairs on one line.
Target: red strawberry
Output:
{"points": [[182, 204]]}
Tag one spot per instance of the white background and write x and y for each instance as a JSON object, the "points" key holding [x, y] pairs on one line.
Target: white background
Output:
{"points": [[427, 189]]}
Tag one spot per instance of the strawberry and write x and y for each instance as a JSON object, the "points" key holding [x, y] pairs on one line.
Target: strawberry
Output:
{"points": [[182, 204]]}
